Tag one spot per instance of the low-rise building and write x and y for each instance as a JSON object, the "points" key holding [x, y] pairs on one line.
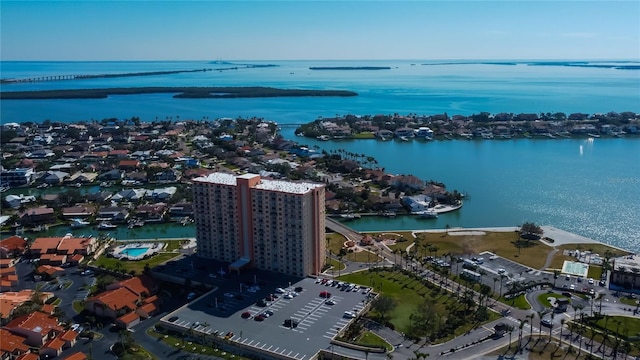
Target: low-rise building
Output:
{"points": [[37, 327]]}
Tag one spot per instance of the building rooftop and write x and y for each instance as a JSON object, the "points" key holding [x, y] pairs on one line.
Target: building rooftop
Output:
{"points": [[265, 184], [287, 186], [37, 322]]}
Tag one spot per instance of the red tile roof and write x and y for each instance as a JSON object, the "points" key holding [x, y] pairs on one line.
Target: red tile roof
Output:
{"points": [[45, 244], [139, 285], [71, 245], [69, 335], [28, 356], [55, 343], [129, 318], [10, 342], [117, 299], [36, 322], [13, 243], [76, 356]]}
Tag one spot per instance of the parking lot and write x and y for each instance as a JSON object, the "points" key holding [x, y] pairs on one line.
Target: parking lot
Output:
{"points": [[295, 325]]}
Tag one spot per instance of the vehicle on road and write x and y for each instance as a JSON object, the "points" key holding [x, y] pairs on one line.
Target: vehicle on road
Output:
{"points": [[545, 322], [349, 314], [330, 302], [191, 295], [246, 315], [325, 294]]}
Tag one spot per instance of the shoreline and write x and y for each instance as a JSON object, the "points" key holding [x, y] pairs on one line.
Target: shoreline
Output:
{"points": [[560, 237]]}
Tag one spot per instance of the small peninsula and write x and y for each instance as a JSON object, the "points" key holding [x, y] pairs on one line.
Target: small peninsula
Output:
{"points": [[180, 92]]}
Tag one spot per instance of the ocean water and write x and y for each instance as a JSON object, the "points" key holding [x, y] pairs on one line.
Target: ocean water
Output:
{"points": [[588, 187]]}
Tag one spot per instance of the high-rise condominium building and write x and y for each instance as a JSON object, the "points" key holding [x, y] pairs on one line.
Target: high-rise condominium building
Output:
{"points": [[267, 224]]}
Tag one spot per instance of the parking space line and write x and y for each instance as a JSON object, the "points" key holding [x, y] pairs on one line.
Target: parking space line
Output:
{"points": [[256, 345], [276, 349], [327, 336], [296, 355], [269, 348], [283, 350], [265, 344], [290, 351]]}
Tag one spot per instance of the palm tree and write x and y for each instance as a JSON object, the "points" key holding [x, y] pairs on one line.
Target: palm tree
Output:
{"points": [[521, 326], [530, 317], [495, 280], [561, 328]]}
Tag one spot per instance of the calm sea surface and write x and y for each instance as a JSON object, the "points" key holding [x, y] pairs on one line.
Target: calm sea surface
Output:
{"points": [[588, 187]]}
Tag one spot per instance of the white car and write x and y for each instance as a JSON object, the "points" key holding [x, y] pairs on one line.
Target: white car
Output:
{"points": [[501, 271], [349, 314], [229, 295], [280, 290], [591, 281], [288, 296]]}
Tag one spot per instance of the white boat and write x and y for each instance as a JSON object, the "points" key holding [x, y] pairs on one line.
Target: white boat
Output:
{"points": [[323, 137], [427, 214], [78, 223], [106, 226], [404, 138], [4, 187], [594, 135]]}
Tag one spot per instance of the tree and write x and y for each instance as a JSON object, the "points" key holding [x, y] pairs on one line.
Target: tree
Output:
{"points": [[383, 305], [531, 231]]}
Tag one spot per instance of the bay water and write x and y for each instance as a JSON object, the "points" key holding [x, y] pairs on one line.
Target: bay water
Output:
{"points": [[590, 187]]}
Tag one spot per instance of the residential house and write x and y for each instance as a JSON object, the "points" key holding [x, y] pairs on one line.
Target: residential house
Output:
{"points": [[127, 320], [404, 131], [181, 210], [111, 175], [8, 278], [69, 337], [34, 216], [113, 214], [44, 245], [37, 327], [150, 306], [12, 247], [82, 178], [129, 195], [113, 303], [48, 271], [143, 286], [77, 245], [16, 201], [129, 165], [167, 176], [152, 212], [51, 348], [12, 346], [161, 194], [54, 177], [10, 300], [51, 199], [408, 181], [78, 211], [18, 176]]}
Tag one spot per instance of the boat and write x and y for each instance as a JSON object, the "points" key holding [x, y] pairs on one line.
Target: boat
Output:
{"points": [[105, 226], [4, 187], [350, 216], [448, 137], [427, 214], [389, 214], [404, 138], [42, 186], [323, 137], [78, 223], [594, 135]]}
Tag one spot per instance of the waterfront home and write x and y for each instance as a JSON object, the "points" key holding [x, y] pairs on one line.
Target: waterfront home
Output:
{"points": [[424, 132], [82, 178], [16, 201], [129, 195], [78, 211], [404, 131], [134, 178], [417, 203], [44, 245], [167, 176], [407, 181], [111, 175], [69, 245], [583, 129], [36, 216], [51, 200], [384, 134], [37, 327], [18, 176], [181, 210], [54, 177], [152, 212], [113, 214]]}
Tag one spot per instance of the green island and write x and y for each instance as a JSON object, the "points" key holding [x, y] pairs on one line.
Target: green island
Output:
{"points": [[180, 92]]}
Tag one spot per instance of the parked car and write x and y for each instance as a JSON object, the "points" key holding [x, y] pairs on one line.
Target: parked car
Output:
{"points": [[245, 315], [546, 322], [325, 294], [191, 295]]}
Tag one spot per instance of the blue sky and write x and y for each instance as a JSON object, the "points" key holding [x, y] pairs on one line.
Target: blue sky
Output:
{"points": [[293, 30]]}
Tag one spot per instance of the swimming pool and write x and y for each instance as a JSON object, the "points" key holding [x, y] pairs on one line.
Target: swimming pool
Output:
{"points": [[135, 252]]}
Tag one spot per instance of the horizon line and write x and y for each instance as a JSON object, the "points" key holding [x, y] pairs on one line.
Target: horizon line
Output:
{"points": [[363, 59]]}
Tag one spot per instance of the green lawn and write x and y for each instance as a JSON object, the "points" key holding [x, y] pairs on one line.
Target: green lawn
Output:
{"points": [[370, 339], [191, 347], [336, 265], [632, 325], [409, 294], [518, 302], [542, 298], [137, 266], [628, 301], [78, 306], [364, 135]]}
